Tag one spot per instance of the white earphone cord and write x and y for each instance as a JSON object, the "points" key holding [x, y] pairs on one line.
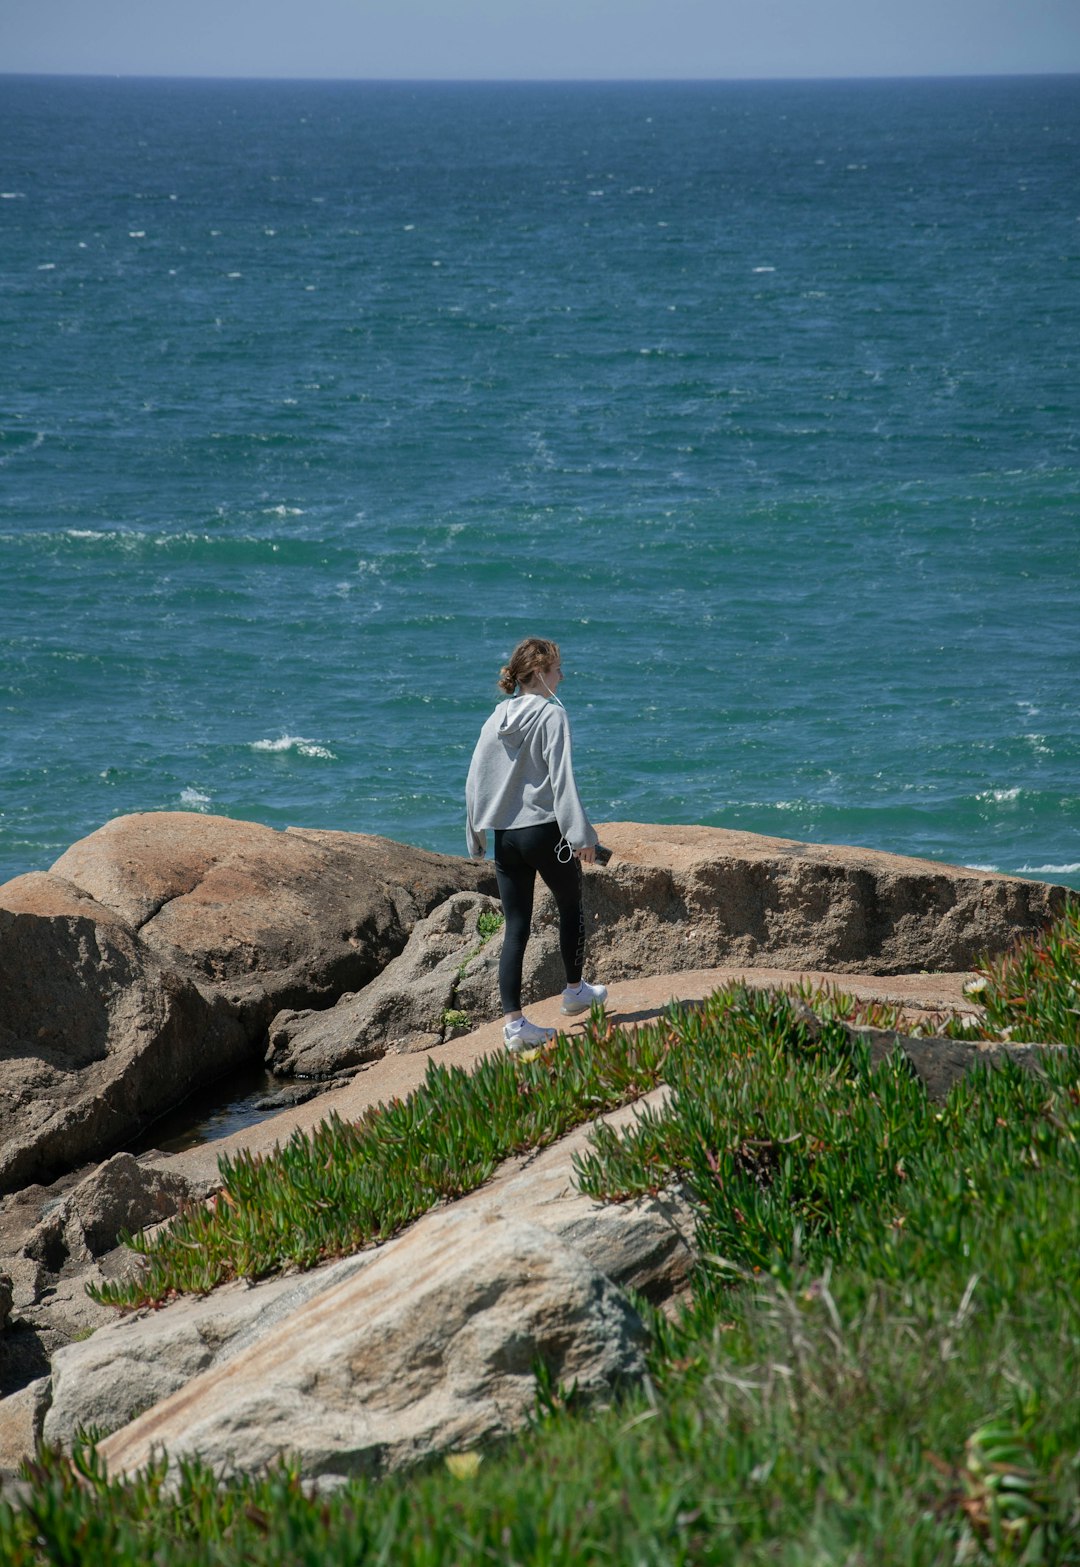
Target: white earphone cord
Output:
{"points": [[548, 689]]}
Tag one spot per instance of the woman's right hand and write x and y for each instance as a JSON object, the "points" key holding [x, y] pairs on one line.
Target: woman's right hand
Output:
{"points": [[586, 856]]}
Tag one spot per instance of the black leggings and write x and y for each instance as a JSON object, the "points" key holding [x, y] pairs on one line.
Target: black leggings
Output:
{"points": [[520, 853]]}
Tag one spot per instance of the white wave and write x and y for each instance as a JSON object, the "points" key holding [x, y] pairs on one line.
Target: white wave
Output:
{"points": [[983, 867], [194, 799], [1038, 744], [12, 195], [295, 743], [764, 269], [1050, 870], [136, 233], [283, 511], [998, 795], [47, 266]]}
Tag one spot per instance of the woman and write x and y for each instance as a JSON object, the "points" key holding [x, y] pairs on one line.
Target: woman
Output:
{"points": [[521, 785]]}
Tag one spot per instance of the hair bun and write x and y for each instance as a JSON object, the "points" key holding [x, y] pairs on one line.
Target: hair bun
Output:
{"points": [[530, 657]]}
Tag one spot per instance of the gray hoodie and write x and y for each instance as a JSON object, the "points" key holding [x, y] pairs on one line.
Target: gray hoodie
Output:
{"points": [[521, 775]]}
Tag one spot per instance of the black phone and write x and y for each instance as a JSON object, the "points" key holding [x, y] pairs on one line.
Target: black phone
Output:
{"points": [[602, 855]]}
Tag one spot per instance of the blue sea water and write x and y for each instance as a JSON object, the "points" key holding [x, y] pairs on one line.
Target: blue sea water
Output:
{"points": [[762, 398]]}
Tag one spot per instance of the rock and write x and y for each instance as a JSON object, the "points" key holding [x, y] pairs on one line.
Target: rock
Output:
{"points": [[697, 897], [268, 919], [408, 1007], [941, 1062], [445, 983], [98, 1037], [121, 1194], [678, 898], [21, 1417], [129, 1364], [432, 1346]]}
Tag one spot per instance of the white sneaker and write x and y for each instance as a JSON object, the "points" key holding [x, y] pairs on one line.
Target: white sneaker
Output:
{"points": [[579, 998], [525, 1035]]}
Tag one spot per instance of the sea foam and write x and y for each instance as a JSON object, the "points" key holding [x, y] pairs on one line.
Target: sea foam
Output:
{"points": [[295, 743]]}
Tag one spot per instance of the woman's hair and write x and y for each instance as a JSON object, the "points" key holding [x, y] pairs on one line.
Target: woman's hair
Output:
{"points": [[530, 657]]}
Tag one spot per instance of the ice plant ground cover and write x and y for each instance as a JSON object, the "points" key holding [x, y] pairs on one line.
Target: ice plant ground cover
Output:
{"points": [[878, 1360]]}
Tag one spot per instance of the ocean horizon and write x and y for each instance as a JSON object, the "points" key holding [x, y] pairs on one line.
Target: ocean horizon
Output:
{"points": [[760, 397]]}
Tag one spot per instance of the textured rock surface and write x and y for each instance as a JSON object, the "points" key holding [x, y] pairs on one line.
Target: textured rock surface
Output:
{"points": [[21, 1418], [120, 1194], [431, 1347], [270, 919], [941, 1062], [97, 1035], [134, 1361], [447, 966], [696, 897], [678, 898]]}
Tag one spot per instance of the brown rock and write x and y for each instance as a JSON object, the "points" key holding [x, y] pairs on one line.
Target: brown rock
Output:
{"points": [[941, 1062], [411, 1005], [269, 919], [699, 897], [444, 984], [121, 1194], [675, 899], [432, 1346], [98, 1036], [21, 1417]]}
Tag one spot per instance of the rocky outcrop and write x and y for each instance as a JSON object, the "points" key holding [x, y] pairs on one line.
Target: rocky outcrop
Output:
{"points": [[673, 899], [445, 982], [149, 961], [697, 897], [97, 1035], [939, 1062], [121, 1195], [57, 1239], [433, 1346], [21, 1419], [266, 919], [134, 1362], [107, 1379]]}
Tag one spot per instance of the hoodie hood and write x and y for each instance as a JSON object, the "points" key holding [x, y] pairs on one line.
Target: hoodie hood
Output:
{"points": [[519, 717]]}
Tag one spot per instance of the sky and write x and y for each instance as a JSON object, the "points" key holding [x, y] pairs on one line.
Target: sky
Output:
{"points": [[546, 39]]}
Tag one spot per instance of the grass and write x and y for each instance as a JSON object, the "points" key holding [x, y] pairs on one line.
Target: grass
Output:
{"points": [[879, 1362]]}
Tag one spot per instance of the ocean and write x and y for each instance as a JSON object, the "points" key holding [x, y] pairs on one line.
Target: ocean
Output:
{"points": [[763, 399]]}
